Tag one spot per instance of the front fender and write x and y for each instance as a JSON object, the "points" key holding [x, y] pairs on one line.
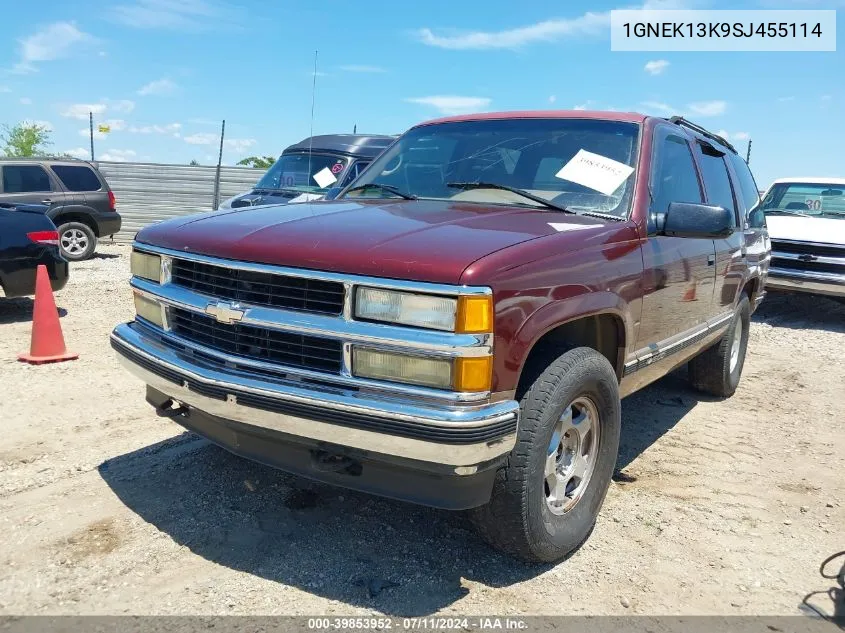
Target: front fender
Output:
{"points": [[560, 312]]}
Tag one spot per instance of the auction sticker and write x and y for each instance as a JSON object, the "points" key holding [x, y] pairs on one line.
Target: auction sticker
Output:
{"points": [[595, 171], [324, 178]]}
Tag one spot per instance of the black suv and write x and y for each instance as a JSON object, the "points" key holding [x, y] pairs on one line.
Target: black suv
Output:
{"points": [[317, 167], [79, 200]]}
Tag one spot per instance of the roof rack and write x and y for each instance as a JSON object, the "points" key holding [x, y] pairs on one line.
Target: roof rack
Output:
{"points": [[679, 120]]}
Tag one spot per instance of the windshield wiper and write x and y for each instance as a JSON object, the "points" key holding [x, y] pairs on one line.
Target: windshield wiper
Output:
{"points": [[787, 212], [387, 188], [519, 192]]}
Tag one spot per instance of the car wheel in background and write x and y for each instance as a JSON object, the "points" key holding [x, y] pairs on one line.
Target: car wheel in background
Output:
{"points": [[717, 370], [76, 241]]}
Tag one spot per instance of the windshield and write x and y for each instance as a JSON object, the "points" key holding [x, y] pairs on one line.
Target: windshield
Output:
{"points": [[806, 199], [293, 172], [581, 165]]}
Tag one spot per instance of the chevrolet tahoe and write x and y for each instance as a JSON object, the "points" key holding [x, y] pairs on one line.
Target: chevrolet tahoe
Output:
{"points": [[458, 327]]}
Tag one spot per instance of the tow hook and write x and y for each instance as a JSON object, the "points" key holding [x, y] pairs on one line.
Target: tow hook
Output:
{"points": [[167, 409], [335, 463]]}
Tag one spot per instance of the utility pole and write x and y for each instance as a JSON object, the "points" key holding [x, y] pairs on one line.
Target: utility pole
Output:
{"points": [[91, 132], [216, 197], [748, 152], [355, 129]]}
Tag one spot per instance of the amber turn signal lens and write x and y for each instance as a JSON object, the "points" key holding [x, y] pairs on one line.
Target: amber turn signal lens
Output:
{"points": [[475, 315], [473, 374]]}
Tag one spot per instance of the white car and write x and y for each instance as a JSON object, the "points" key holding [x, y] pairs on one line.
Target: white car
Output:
{"points": [[806, 220]]}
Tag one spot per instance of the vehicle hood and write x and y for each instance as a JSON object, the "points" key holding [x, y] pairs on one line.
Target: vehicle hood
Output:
{"points": [[423, 240], [799, 229]]}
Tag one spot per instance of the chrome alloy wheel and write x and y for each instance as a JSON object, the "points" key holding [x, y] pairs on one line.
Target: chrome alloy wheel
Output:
{"points": [[736, 344], [572, 455], [74, 242]]}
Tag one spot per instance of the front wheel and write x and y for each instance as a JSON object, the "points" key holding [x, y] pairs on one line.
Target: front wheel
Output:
{"points": [[547, 497], [76, 241]]}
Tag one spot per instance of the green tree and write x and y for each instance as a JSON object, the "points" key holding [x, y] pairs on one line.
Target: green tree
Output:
{"points": [[261, 162], [194, 163], [25, 139]]}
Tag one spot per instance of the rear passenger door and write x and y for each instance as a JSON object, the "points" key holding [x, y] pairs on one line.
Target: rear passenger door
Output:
{"points": [[85, 185], [730, 251], [29, 184], [753, 223], [678, 272]]}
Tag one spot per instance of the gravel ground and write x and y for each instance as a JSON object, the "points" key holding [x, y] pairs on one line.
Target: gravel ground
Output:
{"points": [[725, 507]]}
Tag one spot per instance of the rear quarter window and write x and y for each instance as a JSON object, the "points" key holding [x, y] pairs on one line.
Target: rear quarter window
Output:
{"points": [[77, 177]]}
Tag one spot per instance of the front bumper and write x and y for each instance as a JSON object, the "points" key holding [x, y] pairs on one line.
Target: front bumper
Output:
{"points": [[440, 456], [822, 283]]}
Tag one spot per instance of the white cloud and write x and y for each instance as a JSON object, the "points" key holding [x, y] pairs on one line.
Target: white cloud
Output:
{"points": [[79, 152], [86, 132], [202, 138], [735, 136], [180, 15], [451, 105], [54, 41], [708, 108], [158, 87], [552, 99], [656, 66], [549, 30], [5, 89], [586, 25], [700, 109], [354, 68], [25, 101], [783, 99], [583, 106], [80, 110], [121, 105], [168, 128], [239, 145], [118, 155]]}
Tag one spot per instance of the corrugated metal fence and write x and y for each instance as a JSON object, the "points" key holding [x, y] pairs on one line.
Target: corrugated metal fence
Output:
{"points": [[148, 192]]}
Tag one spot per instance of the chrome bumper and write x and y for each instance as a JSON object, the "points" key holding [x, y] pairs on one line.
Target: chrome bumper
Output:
{"points": [[457, 436], [821, 283]]}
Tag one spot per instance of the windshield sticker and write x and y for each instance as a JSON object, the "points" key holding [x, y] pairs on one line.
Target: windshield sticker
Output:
{"points": [[305, 197], [813, 204], [324, 178], [596, 172], [337, 168], [563, 226]]}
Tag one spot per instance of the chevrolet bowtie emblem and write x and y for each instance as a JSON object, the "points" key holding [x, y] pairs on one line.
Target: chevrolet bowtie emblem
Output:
{"points": [[225, 312]]}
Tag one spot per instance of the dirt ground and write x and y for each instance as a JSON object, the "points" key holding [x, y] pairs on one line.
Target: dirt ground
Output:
{"points": [[726, 508]]}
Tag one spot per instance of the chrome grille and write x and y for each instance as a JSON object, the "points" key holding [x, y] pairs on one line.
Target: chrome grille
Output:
{"points": [[259, 288], [808, 257], [286, 348]]}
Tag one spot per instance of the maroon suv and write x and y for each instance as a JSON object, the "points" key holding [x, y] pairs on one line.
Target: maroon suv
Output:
{"points": [[458, 327]]}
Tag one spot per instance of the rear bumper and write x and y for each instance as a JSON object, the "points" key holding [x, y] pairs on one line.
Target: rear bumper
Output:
{"points": [[17, 278], [812, 283], [433, 455]]}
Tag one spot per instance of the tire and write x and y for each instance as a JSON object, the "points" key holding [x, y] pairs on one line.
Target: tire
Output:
{"points": [[713, 371], [77, 241], [519, 519]]}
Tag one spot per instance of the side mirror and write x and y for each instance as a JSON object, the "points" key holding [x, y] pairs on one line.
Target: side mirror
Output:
{"points": [[688, 219]]}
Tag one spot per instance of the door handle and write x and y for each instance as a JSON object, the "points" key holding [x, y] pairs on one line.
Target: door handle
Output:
{"points": [[47, 201], [711, 259]]}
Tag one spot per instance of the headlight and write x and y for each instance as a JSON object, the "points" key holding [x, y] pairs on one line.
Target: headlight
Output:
{"points": [[146, 266], [451, 314], [461, 374], [149, 310]]}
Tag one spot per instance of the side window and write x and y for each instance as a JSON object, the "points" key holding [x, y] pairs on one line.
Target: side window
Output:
{"points": [[353, 172], [674, 177], [717, 182], [77, 178], [25, 179], [750, 193]]}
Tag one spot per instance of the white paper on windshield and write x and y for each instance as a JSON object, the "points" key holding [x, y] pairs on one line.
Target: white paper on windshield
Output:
{"points": [[595, 171], [305, 197], [563, 226], [324, 178]]}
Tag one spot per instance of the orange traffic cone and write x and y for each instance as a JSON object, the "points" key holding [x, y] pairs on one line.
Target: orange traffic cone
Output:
{"points": [[48, 343]]}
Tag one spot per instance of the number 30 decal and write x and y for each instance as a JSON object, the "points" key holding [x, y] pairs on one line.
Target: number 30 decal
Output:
{"points": [[813, 205]]}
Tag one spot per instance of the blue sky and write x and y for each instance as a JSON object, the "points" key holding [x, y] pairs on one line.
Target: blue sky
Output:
{"points": [[164, 73]]}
